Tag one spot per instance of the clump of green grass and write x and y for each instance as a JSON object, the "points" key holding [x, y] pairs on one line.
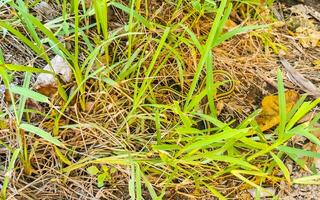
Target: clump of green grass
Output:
{"points": [[151, 138]]}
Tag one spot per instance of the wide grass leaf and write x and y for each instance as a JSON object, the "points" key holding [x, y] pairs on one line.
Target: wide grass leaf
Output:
{"points": [[26, 92], [41, 133], [299, 152], [229, 159]]}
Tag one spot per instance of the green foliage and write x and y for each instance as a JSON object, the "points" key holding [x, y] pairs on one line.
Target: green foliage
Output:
{"points": [[102, 175], [178, 149]]}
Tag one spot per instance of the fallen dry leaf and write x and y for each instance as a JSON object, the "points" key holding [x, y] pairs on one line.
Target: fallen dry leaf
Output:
{"points": [[308, 37], [230, 25], [46, 83], [269, 116], [299, 80]]}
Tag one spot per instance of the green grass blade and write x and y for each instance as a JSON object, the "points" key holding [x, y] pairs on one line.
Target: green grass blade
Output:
{"points": [[227, 134], [26, 92], [282, 167], [302, 111], [221, 158], [299, 152], [206, 51], [131, 184], [136, 15], [21, 68], [211, 90], [41, 133], [308, 180], [282, 104], [138, 183], [24, 39], [215, 192], [236, 31]]}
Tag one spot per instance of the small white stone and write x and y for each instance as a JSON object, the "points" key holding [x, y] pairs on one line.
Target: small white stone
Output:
{"points": [[60, 67]]}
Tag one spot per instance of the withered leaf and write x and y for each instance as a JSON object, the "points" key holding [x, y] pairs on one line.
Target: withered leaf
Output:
{"points": [[269, 116]]}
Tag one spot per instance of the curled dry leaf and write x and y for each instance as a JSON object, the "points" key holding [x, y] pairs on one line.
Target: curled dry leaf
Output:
{"points": [[46, 83], [299, 80], [269, 116]]}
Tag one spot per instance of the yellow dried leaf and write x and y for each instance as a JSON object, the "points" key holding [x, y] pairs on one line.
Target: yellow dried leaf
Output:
{"points": [[269, 116], [230, 24], [308, 37]]}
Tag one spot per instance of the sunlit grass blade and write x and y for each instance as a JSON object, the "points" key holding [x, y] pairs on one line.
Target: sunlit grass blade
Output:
{"points": [[282, 104], [206, 51], [101, 11], [302, 111], [308, 180], [238, 174], [229, 159], [23, 10], [214, 121], [131, 185], [295, 108], [224, 135], [56, 43], [117, 160], [283, 168], [236, 31], [224, 19], [21, 68], [149, 186], [211, 90], [61, 156], [138, 183], [304, 130], [215, 192], [140, 92]]}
